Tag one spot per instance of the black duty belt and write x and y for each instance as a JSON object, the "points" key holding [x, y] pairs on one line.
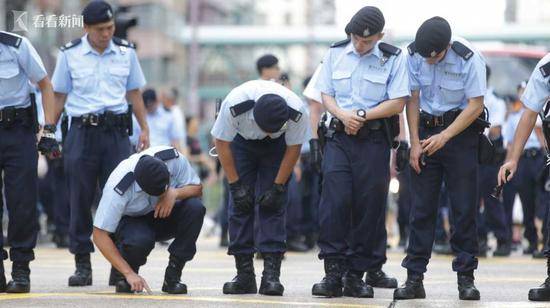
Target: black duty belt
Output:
{"points": [[532, 152], [11, 115], [430, 121], [106, 120], [339, 126]]}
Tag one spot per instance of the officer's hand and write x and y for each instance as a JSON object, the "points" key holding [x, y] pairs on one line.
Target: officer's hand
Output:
{"points": [[351, 120], [137, 282], [165, 204], [274, 198], [434, 143], [415, 155], [243, 197], [316, 158], [143, 142], [49, 147], [506, 172]]}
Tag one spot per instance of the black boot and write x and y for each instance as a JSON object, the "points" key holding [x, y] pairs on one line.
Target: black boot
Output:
{"points": [[83, 274], [270, 284], [542, 293], [411, 289], [379, 279], [354, 286], [466, 288], [503, 249], [2, 277], [172, 276], [20, 278], [245, 281], [120, 283], [331, 285], [114, 276]]}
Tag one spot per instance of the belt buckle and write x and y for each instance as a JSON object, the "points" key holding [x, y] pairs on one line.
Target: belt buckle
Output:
{"points": [[439, 121], [93, 119]]}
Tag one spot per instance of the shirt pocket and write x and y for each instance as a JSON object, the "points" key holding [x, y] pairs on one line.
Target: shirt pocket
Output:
{"points": [[119, 75], [9, 70], [373, 87], [425, 85], [83, 80], [452, 91], [342, 83]]}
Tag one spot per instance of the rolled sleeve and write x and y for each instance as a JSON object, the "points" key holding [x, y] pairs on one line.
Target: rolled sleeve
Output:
{"points": [[61, 79], [475, 84], [399, 83], [537, 92], [30, 61], [136, 79], [110, 209], [324, 82]]}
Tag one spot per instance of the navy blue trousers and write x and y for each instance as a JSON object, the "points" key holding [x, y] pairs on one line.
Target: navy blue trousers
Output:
{"points": [[456, 164], [257, 163], [352, 212], [310, 188], [404, 201], [136, 236], [91, 154], [54, 197], [493, 216], [18, 162], [295, 209]]}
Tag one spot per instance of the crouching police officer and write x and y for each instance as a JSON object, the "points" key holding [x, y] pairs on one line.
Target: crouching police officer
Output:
{"points": [[259, 132], [534, 98], [448, 84], [151, 196], [94, 75], [363, 82], [19, 66]]}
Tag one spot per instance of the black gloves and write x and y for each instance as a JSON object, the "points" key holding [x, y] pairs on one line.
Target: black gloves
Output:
{"points": [[274, 198], [48, 145], [402, 156], [243, 197], [316, 157]]}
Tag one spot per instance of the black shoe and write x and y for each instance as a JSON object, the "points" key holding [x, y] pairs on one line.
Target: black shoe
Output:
{"points": [[530, 249], [21, 282], [503, 250], [122, 286], [296, 245], [61, 240], [311, 240], [270, 284], [245, 281], [442, 249], [83, 274], [172, 276], [354, 286], [379, 279], [538, 254], [541, 293], [331, 285], [411, 289], [466, 288]]}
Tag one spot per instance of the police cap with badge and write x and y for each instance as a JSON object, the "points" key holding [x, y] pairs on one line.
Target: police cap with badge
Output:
{"points": [[97, 12]]}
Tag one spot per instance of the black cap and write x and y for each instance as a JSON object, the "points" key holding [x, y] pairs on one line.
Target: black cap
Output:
{"points": [[433, 36], [266, 61], [271, 113], [149, 97], [366, 22], [96, 12], [152, 175]]}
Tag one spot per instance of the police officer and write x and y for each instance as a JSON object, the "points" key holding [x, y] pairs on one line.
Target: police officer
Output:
{"points": [[493, 216], [258, 135], [363, 83], [534, 98], [19, 66], [448, 84], [151, 196], [94, 75]]}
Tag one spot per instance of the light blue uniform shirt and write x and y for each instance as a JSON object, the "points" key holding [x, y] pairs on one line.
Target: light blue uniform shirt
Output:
{"points": [[538, 88], [18, 66], [96, 83], [362, 82], [134, 201], [448, 84], [162, 128], [511, 126], [227, 127]]}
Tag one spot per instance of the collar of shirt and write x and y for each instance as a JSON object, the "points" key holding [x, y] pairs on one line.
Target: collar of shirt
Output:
{"points": [[87, 48], [374, 51]]}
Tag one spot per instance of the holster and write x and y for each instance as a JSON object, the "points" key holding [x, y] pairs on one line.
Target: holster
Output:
{"points": [[129, 121], [322, 131], [486, 150]]}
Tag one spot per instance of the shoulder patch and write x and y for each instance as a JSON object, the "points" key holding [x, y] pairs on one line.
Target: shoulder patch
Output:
{"points": [[340, 43], [545, 70], [411, 48], [123, 42], [295, 115], [71, 44], [241, 108], [389, 49], [167, 154], [463, 51], [125, 183], [10, 39]]}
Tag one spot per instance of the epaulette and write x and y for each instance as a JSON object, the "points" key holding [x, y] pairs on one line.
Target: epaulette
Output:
{"points": [[167, 154], [545, 70], [461, 49], [241, 108], [388, 49], [411, 48], [125, 183], [295, 115], [123, 42], [10, 39], [71, 44], [340, 43]]}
